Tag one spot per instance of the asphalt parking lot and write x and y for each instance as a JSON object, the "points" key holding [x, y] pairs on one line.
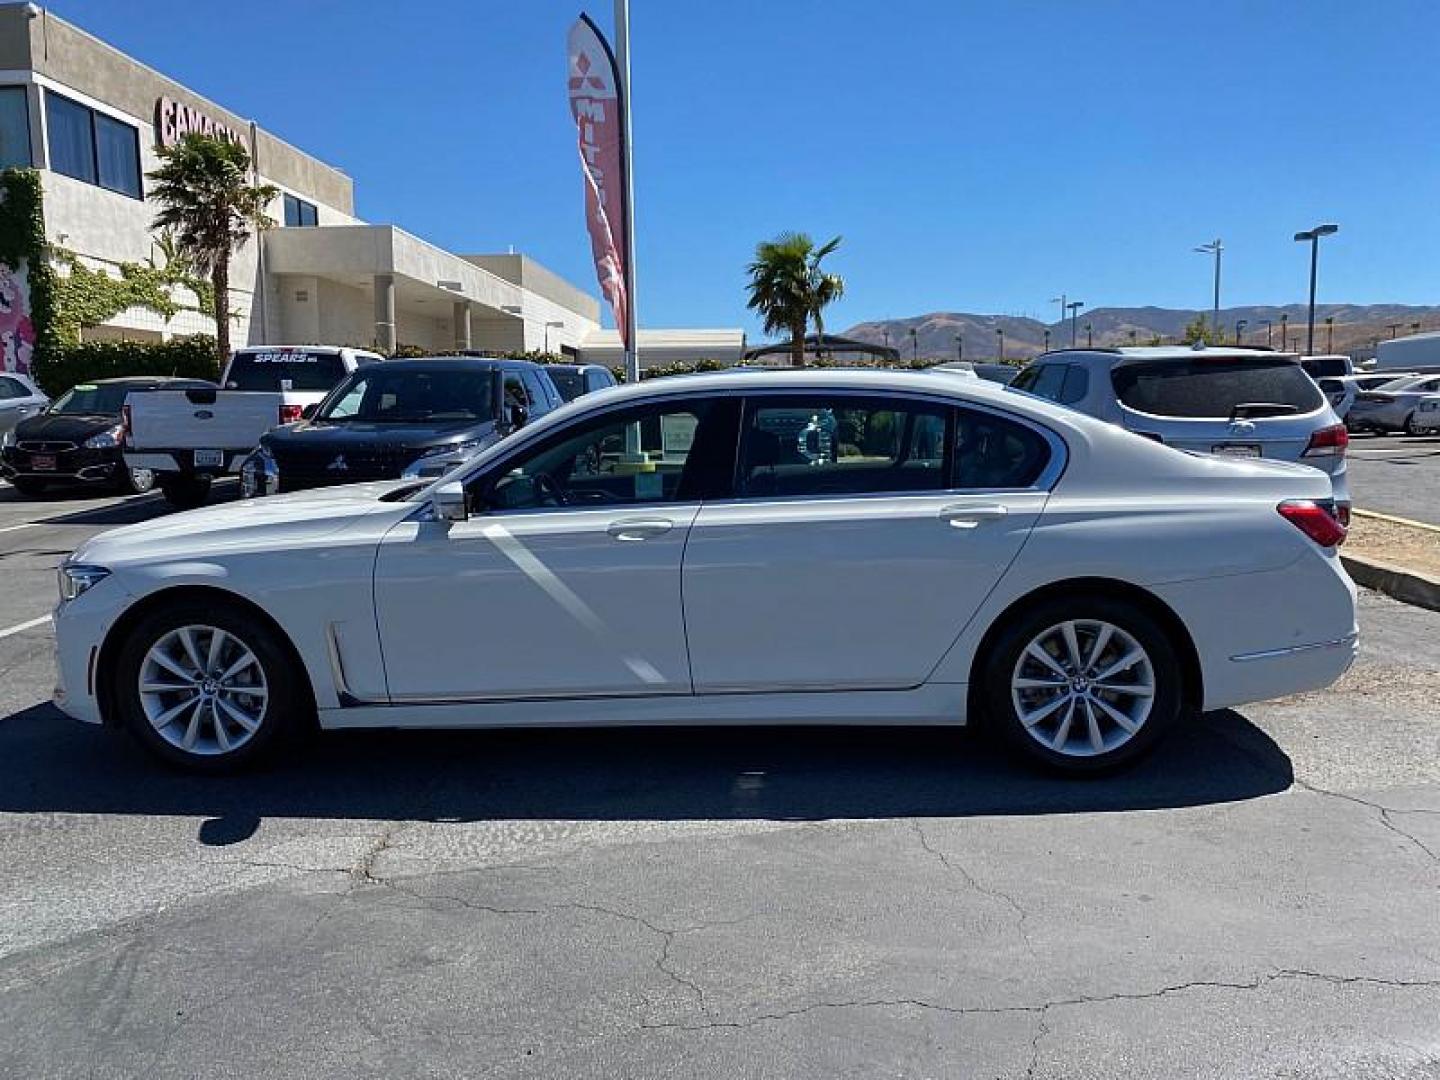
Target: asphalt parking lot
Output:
{"points": [[1259, 898], [1397, 474]]}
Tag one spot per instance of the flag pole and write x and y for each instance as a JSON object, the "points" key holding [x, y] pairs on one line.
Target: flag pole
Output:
{"points": [[629, 336]]}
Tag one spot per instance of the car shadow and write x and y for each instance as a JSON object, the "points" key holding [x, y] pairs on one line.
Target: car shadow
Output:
{"points": [[50, 764], [137, 508]]}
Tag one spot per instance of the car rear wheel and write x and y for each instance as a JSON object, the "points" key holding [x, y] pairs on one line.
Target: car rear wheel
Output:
{"points": [[1410, 428], [1083, 684], [185, 492], [27, 486], [207, 688]]}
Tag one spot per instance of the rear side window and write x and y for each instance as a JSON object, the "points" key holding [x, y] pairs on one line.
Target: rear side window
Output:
{"points": [[841, 445], [1212, 386], [9, 388], [539, 399], [568, 382], [993, 452], [284, 369]]}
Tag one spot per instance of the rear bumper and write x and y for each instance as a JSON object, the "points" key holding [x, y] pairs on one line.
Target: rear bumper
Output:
{"points": [[183, 461]]}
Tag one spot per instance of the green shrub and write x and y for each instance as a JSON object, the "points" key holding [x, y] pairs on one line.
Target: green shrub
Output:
{"points": [[63, 366]]}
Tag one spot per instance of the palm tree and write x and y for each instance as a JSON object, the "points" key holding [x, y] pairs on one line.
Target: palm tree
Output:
{"points": [[206, 198], [789, 289]]}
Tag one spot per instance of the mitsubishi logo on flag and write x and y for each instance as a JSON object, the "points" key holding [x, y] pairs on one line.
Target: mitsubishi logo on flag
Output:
{"points": [[595, 104]]}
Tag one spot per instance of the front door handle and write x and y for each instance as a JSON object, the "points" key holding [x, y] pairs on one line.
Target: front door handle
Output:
{"points": [[633, 529], [963, 516]]}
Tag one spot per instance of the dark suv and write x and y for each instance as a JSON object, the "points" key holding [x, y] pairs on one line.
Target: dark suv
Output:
{"points": [[399, 418], [576, 380], [77, 440]]}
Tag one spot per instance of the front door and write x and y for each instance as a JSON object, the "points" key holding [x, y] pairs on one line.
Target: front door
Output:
{"points": [[865, 534], [565, 581]]}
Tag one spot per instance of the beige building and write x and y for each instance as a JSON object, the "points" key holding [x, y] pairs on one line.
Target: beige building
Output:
{"points": [[89, 118]]}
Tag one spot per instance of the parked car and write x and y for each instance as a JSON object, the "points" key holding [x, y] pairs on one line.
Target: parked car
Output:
{"points": [[1327, 366], [188, 443], [575, 380], [77, 439], [1392, 406], [403, 417], [19, 398], [956, 551], [1249, 403]]}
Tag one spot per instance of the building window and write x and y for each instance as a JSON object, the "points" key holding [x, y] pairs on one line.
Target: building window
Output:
{"points": [[299, 213], [14, 127], [92, 147]]}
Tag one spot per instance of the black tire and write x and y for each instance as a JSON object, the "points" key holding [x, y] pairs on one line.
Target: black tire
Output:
{"points": [[1410, 428], [286, 705], [28, 487], [129, 485], [185, 492], [1000, 664]]}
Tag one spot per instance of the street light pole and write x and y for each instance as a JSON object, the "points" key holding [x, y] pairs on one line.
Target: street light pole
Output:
{"points": [[914, 344], [1215, 247], [1047, 339], [1000, 333], [1089, 336], [1392, 327], [1240, 325], [1074, 306], [960, 347], [1313, 236], [1329, 334], [1284, 330], [1268, 325]]}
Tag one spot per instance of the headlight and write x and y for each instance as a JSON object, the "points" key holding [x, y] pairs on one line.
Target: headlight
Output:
{"points": [[106, 440], [8, 439], [77, 578], [259, 475], [466, 447]]}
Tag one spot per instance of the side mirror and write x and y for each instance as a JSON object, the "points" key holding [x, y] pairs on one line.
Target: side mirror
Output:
{"points": [[449, 502], [309, 410], [519, 415]]}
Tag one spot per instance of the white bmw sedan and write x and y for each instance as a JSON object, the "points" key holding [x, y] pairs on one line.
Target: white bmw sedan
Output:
{"points": [[787, 547]]}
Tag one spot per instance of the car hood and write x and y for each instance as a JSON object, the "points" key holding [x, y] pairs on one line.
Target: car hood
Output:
{"points": [[57, 427], [319, 435], [267, 523]]}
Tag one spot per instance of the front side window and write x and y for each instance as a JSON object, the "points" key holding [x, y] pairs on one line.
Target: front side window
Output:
{"points": [[1213, 387], [93, 147], [841, 445], [9, 388], [14, 127], [665, 452], [568, 381]]}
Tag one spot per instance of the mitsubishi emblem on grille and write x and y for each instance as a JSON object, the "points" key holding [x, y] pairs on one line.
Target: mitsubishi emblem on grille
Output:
{"points": [[339, 464]]}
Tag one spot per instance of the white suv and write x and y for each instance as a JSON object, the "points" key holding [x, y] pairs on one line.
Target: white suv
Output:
{"points": [[1231, 401]]}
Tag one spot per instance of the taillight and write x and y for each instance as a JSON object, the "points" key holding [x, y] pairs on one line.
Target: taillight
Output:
{"points": [[1315, 520], [1328, 442], [125, 423], [290, 413]]}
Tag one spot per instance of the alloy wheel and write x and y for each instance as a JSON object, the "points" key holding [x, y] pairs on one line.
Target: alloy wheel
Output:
{"points": [[141, 480], [1083, 687], [203, 690]]}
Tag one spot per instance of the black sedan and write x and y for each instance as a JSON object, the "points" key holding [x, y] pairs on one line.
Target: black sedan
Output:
{"points": [[400, 418], [77, 440]]}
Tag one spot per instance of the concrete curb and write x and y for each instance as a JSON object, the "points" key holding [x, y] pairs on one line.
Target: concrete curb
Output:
{"points": [[1405, 585]]}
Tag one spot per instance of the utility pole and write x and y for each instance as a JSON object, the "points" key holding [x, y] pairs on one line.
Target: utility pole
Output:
{"points": [[1215, 247], [1329, 334], [1000, 333], [1240, 325], [1313, 236], [1074, 306]]}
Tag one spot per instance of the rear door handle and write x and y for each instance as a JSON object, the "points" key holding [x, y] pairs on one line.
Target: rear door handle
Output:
{"points": [[639, 528], [962, 516]]}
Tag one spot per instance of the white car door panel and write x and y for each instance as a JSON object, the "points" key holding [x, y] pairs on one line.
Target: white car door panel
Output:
{"points": [[547, 603], [864, 592]]}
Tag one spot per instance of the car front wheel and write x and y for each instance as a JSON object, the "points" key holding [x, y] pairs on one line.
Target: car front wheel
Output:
{"points": [[136, 481], [207, 687], [1084, 684]]}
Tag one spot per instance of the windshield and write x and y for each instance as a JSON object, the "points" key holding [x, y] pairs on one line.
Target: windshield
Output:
{"points": [[569, 382], [1212, 386], [389, 395], [275, 370], [87, 399]]}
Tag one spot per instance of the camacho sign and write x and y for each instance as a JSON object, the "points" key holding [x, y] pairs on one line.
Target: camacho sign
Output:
{"points": [[174, 119]]}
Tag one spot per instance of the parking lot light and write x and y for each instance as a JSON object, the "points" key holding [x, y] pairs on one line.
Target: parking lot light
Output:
{"points": [[1313, 237]]}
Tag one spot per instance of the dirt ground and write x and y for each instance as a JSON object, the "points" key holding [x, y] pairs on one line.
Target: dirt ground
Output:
{"points": [[1399, 545]]}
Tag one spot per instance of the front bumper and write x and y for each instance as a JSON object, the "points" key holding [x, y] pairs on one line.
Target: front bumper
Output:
{"points": [[80, 465], [81, 626]]}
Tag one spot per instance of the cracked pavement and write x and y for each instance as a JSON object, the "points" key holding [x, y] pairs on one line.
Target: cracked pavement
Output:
{"points": [[1259, 899]]}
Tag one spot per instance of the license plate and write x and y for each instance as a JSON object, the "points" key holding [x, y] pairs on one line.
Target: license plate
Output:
{"points": [[1236, 449], [42, 462], [209, 457]]}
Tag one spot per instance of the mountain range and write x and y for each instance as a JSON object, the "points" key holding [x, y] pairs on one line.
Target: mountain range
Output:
{"points": [[1356, 328]]}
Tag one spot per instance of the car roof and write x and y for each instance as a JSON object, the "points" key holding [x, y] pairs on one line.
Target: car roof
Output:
{"points": [[1109, 357], [450, 363], [149, 380]]}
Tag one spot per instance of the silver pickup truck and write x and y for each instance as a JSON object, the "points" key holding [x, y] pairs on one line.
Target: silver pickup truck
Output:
{"points": [[192, 437]]}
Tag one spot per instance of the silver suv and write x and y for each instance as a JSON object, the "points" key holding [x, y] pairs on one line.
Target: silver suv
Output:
{"points": [[1231, 401]]}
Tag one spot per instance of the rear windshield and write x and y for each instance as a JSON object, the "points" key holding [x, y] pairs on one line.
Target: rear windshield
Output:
{"points": [[1212, 386], [569, 382], [284, 369], [1325, 365]]}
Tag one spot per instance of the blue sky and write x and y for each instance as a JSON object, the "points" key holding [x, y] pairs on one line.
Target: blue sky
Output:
{"points": [[976, 157]]}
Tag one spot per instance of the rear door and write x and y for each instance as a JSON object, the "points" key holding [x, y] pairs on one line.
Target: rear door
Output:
{"points": [[1239, 405], [864, 532]]}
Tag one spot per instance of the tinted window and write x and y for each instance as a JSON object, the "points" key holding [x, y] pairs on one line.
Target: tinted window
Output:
{"points": [[536, 385], [117, 155], [1212, 386], [568, 381], [598, 379], [686, 451], [299, 213], [9, 388], [1026, 379], [1316, 366], [1075, 386], [92, 399], [72, 147], [284, 369], [992, 452], [841, 445], [14, 127], [389, 395], [1049, 381]]}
